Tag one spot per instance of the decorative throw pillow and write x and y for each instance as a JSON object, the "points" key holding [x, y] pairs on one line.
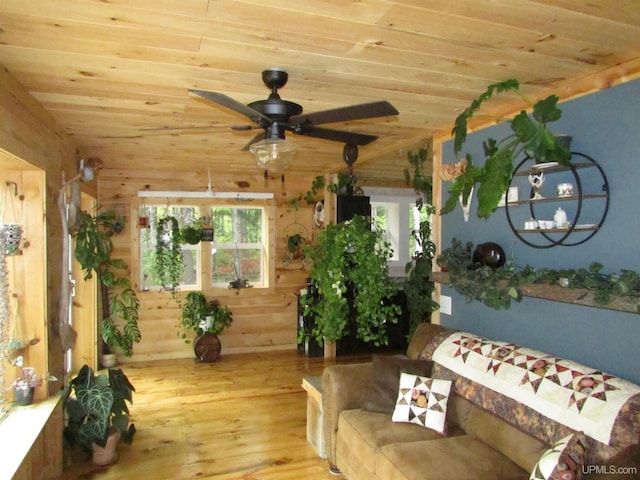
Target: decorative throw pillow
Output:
{"points": [[422, 400], [563, 461], [381, 395]]}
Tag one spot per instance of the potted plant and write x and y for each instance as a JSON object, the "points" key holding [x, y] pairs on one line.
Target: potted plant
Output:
{"points": [[206, 319], [120, 303], [192, 233], [97, 412], [25, 384], [350, 261], [530, 136], [168, 261]]}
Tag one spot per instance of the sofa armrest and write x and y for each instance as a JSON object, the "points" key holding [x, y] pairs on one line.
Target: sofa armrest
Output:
{"points": [[343, 388]]}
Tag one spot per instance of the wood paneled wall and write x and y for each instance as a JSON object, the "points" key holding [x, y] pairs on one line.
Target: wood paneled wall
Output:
{"points": [[31, 143], [264, 319]]}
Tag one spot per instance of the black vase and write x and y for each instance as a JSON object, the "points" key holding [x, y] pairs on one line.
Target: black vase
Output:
{"points": [[489, 254]]}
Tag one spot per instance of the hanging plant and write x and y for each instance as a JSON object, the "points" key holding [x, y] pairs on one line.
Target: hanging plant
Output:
{"points": [[168, 261], [350, 262]]}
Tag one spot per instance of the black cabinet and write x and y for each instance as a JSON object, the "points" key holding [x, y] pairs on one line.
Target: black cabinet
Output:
{"points": [[348, 206], [397, 333]]}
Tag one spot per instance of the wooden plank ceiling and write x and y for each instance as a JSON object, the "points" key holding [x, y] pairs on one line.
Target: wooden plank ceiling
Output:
{"points": [[108, 70]]}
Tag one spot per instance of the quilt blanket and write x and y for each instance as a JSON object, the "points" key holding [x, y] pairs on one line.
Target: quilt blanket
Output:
{"points": [[573, 395]]}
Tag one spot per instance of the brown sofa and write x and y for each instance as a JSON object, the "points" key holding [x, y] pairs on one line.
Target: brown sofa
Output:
{"points": [[488, 436]]}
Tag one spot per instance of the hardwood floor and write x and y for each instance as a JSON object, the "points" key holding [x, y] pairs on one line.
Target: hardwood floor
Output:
{"points": [[242, 417]]}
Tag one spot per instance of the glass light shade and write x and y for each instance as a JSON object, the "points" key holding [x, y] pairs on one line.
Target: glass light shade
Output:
{"points": [[274, 154]]}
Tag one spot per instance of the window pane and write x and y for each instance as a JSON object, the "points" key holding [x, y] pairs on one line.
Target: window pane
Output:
{"points": [[238, 249], [237, 225]]}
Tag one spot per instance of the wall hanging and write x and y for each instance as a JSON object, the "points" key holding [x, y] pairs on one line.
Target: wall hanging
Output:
{"points": [[9, 229]]}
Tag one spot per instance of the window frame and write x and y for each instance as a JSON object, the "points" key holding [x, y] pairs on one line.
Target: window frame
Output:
{"points": [[203, 267]]}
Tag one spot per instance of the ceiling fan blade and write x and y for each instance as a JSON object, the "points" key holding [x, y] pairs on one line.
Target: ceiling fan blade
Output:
{"points": [[228, 102], [345, 114], [349, 138], [257, 138], [199, 127]]}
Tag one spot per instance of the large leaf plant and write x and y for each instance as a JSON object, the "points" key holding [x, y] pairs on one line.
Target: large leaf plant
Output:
{"points": [[93, 404], [120, 303], [530, 136]]}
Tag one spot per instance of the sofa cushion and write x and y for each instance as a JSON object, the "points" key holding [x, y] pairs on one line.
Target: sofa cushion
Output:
{"points": [[423, 401], [362, 433], [423, 335], [383, 392], [563, 460], [467, 458], [518, 446]]}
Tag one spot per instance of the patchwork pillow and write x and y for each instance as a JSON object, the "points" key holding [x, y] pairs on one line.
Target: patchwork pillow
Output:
{"points": [[563, 461], [423, 401], [383, 392]]}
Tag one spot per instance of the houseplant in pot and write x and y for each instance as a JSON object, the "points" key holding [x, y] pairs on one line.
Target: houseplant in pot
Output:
{"points": [[530, 136], [120, 304], [206, 319], [25, 384], [97, 412]]}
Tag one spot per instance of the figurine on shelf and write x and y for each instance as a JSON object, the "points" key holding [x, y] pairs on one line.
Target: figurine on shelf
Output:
{"points": [[536, 180]]}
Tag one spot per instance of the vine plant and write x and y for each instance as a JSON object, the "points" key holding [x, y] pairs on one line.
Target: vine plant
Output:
{"points": [[418, 288], [169, 264], [350, 261], [498, 288]]}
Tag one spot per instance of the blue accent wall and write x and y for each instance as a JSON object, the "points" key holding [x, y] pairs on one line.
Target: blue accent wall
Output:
{"points": [[606, 126]]}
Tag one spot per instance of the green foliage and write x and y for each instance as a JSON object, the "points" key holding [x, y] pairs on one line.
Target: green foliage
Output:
{"points": [[310, 197], [120, 303], [351, 260], [498, 288], [168, 264], [417, 287], [95, 403], [195, 309], [530, 136], [342, 186]]}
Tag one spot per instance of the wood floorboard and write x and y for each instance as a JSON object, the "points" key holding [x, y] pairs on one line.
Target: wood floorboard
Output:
{"points": [[242, 417]]}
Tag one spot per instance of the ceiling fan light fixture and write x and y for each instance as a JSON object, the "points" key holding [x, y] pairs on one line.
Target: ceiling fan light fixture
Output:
{"points": [[273, 154]]}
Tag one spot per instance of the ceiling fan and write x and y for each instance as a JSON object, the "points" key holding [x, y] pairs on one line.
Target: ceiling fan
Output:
{"points": [[275, 116]]}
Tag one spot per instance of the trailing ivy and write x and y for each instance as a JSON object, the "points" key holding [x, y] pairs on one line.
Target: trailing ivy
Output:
{"points": [[168, 263], [350, 262], [498, 288]]}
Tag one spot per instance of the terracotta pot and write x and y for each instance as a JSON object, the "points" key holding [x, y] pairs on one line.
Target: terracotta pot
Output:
{"points": [[108, 360], [106, 455], [207, 347]]}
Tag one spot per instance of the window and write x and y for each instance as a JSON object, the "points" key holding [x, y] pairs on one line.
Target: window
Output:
{"points": [[238, 249], [394, 213]]}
